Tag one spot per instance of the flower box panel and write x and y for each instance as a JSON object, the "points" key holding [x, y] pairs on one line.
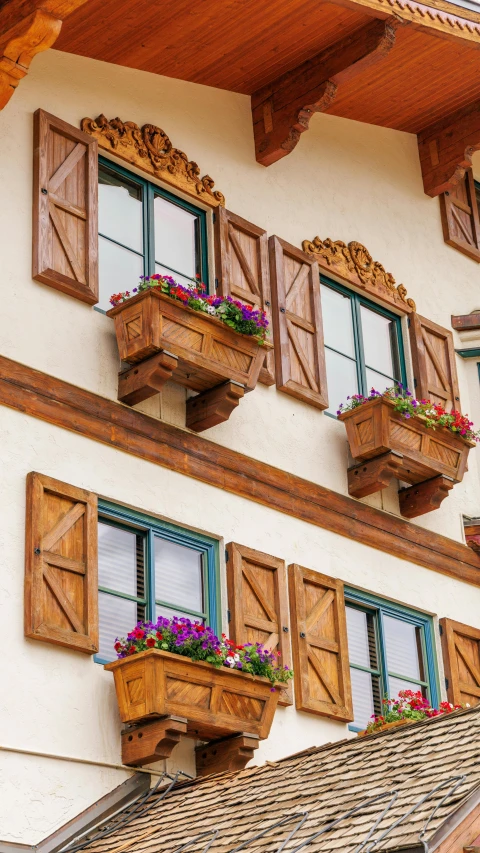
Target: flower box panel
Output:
{"points": [[208, 351], [215, 702], [375, 428]]}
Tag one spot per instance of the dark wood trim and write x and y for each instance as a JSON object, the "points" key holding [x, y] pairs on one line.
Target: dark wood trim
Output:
{"points": [[123, 794], [462, 322], [57, 402]]}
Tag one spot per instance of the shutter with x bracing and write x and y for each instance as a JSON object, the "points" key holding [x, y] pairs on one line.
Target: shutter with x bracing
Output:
{"points": [[65, 218], [460, 220], [434, 368], [297, 322], [61, 590], [461, 658], [242, 270], [257, 600], [320, 647]]}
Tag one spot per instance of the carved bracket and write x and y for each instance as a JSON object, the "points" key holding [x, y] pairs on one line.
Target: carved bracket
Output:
{"points": [[146, 379], [374, 475], [153, 741], [22, 37], [355, 265], [229, 754], [472, 536], [282, 111], [424, 497], [150, 149], [446, 149], [214, 406]]}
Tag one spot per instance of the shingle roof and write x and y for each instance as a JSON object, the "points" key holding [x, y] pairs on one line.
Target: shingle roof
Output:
{"points": [[323, 783]]}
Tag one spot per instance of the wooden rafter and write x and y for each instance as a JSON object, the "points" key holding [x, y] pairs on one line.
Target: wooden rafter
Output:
{"points": [[282, 110], [27, 28], [446, 149]]}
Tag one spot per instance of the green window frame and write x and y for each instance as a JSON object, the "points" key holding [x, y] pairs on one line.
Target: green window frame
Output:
{"points": [[356, 302], [149, 191], [147, 529], [377, 609]]}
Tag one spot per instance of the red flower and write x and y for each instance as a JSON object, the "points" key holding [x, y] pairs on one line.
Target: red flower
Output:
{"points": [[159, 636], [139, 634], [117, 647], [150, 642], [200, 628], [131, 650]]}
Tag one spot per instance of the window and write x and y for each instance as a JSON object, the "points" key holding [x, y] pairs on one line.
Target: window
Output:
{"points": [[363, 344], [148, 568], [144, 229], [390, 649]]}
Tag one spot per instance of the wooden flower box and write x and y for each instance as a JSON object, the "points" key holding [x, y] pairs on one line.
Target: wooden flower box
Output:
{"points": [[386, 444], [216, 703], [164, 339], [387, 726]]}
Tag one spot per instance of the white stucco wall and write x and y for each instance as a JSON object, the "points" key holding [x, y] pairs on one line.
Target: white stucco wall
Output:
{"points": [[347, 181]]}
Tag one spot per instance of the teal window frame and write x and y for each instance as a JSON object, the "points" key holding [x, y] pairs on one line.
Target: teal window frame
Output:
{"points": [[149, 191], [356, 301], [380, 607], [149, 527]]}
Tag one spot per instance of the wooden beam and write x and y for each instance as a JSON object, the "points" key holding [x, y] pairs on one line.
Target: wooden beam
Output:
{"points": [[53, 400], [282, 110], [446, 149], [462, 322], [27, 27]]}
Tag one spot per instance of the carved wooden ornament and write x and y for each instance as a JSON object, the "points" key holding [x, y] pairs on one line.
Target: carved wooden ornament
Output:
{"points": [[354, 264], [150, 149]]}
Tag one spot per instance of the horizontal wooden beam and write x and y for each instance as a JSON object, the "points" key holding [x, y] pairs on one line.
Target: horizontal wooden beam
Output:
{"points": [[27, 27], [462, 322], [282, 111], [41, 396], [446, 149]]}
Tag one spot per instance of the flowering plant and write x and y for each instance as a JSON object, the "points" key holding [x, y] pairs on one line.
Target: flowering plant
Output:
{"points": [[433, 414], [242, 318], [409, 706], [198, 642]]}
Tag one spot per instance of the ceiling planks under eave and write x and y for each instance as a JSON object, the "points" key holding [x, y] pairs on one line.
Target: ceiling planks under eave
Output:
{"points": [[243, 45]]}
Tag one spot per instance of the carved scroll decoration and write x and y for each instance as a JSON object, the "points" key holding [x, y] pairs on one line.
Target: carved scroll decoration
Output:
{"points": [[355, 265], [149, 148]]}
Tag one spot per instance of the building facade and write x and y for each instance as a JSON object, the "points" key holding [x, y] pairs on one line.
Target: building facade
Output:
{"points": [[183, 521]]}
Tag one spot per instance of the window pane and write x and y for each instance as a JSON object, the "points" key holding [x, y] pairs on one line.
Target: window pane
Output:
{"points": [[117, 559], [178, 575], [361, 638], [119, 270], [120, 209], [341, 379], [377, 340], [170, 612], [117, 617], [180, 279], [378, 382], [175, 243], [397, 684], [362, 695], [337, 321], [402, 644]]}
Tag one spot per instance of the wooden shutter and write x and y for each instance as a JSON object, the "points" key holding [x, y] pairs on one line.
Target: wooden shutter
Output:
{"points": [[461, 658], [297, 323], [65, 219], [434, 367], [257, 599], [242, 270], [460, 222], [61, 591], [319, 640]]}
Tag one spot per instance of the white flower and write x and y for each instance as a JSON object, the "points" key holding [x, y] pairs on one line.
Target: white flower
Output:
{"points": [[210, 309]]}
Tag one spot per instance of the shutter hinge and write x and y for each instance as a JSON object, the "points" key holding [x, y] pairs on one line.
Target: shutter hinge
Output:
{"points": [[229, 616], [214, 217], [216, 284], [226, 555], [285, 629], [414, 382], [440, 630], [409, 322], [446, 683]]}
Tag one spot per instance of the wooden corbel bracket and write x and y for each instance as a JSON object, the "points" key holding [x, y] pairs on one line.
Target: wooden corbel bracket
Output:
{"points": [[146, 379], [227, 755], [282, 110], [472, 537], [214, 406], [446, 149], [23, 36], [153, 741], [374, 474], [424, 497]]}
